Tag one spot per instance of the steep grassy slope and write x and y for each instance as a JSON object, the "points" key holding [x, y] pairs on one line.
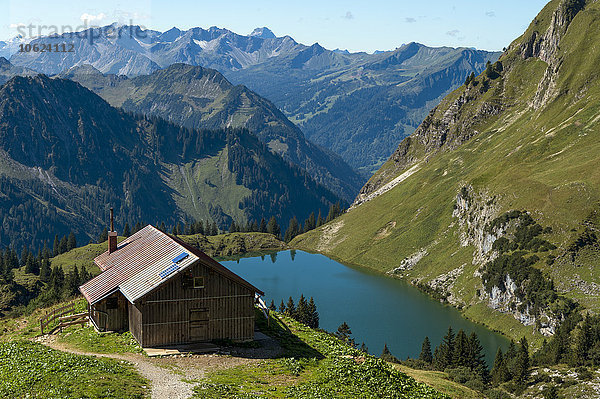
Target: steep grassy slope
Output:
{"points": [[523, 136]]}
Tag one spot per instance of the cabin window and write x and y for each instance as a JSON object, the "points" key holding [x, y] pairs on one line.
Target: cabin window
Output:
{"points": [[187, 279], [198, 282], [112, 303]]}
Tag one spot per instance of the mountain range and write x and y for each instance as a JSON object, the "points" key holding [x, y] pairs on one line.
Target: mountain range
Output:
{"points": [[336, 97], [201, 98], [67, 155], [493, 203]]}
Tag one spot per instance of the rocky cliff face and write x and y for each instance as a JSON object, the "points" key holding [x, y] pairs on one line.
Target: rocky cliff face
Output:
{"points": [[459, 117]]}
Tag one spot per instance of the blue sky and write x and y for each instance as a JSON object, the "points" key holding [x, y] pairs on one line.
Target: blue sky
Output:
{"points": [[353, 25]]}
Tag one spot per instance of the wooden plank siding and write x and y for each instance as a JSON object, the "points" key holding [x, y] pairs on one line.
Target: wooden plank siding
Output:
{"points": [[135, 322], [165, 313], [108, 318]]}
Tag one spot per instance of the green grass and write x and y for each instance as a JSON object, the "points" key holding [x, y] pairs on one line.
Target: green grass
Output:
{"points": [[314, 365], [82, 257], [28, 326], [202, 184], [541, 160], [439, 381], [87, 339], [234, 244], [31, 370]]}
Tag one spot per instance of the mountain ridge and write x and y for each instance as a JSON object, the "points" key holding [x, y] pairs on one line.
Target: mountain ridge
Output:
{"points": [[331, 95], [68, 155], [202, 98], [507, 158]]}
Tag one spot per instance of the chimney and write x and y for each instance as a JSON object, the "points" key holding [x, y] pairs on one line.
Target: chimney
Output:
{"points": [[112, 234]]}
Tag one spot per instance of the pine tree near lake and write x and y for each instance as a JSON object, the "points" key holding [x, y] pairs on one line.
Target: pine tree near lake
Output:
{"points": [[426, 355]]}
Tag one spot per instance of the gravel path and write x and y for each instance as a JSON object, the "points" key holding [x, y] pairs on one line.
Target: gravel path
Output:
{"points": [[166, 374], [166, 383]]}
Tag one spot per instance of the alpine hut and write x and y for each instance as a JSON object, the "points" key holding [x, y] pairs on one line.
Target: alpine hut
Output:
{"points": [[166, 292]]}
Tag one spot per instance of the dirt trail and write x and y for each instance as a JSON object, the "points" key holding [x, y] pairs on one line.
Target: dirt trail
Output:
{"points": [[166, 383], [166, 374]]}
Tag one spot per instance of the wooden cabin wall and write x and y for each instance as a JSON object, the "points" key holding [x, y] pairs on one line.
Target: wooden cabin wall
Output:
{"points": [[135, 323], [227, 306], [115, 319]]}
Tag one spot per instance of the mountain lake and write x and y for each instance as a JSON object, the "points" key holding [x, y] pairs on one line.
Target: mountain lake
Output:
{"points": [[378, 309]]}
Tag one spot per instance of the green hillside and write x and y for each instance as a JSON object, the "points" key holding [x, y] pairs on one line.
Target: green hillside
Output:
{"points": [[67, 156], [521, 136], [201, 98]]}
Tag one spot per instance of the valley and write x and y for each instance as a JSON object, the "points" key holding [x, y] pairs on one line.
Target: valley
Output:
{"points": [[416, 222]]}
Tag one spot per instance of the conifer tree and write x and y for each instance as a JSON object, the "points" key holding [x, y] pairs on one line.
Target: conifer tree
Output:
{"points": [[302, 311], [262, 228], [293, 230], [521, 372], [272, 306], [45, 251], [313, 314], [290, 309], [282, 307], [84, 276], [331, 214], [476, 357], [63, 245], [425, 354], [344, 332], [364, 348], [72, 282], [445, 351], [138, 227], [386, 351], [101, 238], [163, 227], [386, 355], [127, 230], [583, 342], [320, 220], [55, 246], [273, 227], [24, 256], [460, 356], [71, 241], [45, 270], [500, 372]]}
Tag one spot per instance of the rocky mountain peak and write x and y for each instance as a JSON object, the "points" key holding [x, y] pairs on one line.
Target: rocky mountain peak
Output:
{"points": [[263, 33]]}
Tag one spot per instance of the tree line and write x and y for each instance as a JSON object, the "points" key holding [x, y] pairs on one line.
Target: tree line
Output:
{"points": [[210, 228], [305, 312]]}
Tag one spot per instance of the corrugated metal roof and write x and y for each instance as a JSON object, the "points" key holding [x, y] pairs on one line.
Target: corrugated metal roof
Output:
{"points": [[135, 266], [149, 278]]}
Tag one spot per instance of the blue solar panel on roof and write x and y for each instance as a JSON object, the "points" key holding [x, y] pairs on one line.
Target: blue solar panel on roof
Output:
{"points": [[169, 270], [180, 257]]}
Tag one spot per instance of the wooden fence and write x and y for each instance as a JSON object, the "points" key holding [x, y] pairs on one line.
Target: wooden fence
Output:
{"points": [[64, 317]]}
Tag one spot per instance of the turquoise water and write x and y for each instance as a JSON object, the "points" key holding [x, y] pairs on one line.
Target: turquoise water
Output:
{"points": [[378, 309]]}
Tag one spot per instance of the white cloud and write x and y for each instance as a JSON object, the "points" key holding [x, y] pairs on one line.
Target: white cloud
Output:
{"points": [[123, 15], [490, 14], [92, 18], [453, 33], [348, 15], [410, 20]]}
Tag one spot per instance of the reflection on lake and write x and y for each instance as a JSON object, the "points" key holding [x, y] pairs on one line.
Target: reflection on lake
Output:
{"points": [[378, 309]]}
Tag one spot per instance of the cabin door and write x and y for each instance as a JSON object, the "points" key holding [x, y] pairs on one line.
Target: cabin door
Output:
{"points": [[198, 324]]}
